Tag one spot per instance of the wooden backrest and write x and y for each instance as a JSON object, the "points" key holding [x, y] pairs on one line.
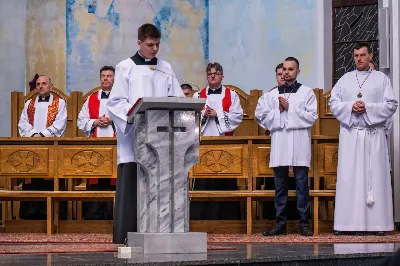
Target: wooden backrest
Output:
{"points": [[328, 123], [81, 99], [248, 127], [18, 101]]}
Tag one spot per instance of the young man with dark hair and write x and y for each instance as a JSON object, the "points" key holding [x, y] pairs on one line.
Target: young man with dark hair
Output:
{"points": [[135, 78], [94, 121], [289, 112], [363, 101]]}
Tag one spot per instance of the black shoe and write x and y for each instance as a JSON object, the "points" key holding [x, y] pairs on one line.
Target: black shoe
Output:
{"points": [[305, 230], [380, 233], [278, 230]]}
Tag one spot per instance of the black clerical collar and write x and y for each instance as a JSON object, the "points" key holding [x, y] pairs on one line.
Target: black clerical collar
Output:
{"points": [[289, 88], [216, 91], [105, 94], [45, 99], [140, 60]]}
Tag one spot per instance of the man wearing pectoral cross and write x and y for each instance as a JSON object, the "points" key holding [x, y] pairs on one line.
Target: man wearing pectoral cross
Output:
{"points": [[45, 115], [94, 121], [135, 78], [363, 101], [289, 112]]}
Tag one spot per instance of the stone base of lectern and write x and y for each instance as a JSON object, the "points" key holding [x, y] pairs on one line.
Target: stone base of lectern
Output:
{"points": [[168, 243]]}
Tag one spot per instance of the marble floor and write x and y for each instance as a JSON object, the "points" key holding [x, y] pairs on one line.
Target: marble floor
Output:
{"points": [[252, 254]]}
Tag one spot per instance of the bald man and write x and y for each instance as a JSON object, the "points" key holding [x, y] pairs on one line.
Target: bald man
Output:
{"points": [[44, 115]]}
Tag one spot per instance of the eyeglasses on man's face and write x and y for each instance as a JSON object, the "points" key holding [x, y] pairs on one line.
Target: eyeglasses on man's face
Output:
{"points": [[210, 74]]}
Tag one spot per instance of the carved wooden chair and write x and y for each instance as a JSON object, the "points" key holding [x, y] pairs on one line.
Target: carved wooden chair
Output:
{"points": [[248, 102]]}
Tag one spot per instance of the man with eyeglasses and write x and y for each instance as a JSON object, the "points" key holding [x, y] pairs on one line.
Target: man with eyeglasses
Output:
{"points": [[221, 115]]}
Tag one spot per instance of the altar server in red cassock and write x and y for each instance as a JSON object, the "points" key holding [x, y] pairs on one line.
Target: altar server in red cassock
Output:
{"points": [[221, 115], [94, 121]]}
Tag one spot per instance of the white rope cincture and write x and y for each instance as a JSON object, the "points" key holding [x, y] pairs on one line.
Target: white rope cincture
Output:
{"points": [[370, 197]]}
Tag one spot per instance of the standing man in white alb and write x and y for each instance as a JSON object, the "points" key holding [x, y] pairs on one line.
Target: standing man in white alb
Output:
{"points": [[135, 78], [363, 101], [289, 112]]}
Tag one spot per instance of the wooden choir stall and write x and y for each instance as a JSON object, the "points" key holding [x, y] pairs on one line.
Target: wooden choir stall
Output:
{"points": [[70, 160]]}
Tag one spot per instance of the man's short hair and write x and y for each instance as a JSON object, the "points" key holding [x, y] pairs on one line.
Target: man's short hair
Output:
{"points": [[105, 68], [360, 45], [215, 65], [278, 67], [290, 58], [186, 86], [148, 31]]}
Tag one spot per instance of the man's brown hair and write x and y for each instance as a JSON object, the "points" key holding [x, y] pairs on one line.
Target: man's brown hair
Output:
{"points": [[105, 68], [215, 65], [148, 31]]}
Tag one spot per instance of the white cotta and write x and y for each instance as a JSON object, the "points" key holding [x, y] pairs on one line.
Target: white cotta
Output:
{"points": [[227, 121], [57, 129], [85, 123], [132, 82], [290, 129]]}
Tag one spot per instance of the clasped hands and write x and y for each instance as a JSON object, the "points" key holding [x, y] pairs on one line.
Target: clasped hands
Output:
{"points": [[359, 107], [103, 121], [209, 112], [283, 104]]}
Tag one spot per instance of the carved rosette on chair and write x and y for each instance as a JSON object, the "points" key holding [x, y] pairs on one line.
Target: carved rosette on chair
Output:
{"points": [[166, 147]]}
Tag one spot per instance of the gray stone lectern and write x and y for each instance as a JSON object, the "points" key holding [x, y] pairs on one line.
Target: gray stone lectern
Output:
{"points": [[166, 147]]}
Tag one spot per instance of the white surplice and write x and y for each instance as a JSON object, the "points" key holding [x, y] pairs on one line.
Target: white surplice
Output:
{"points": [[363, 190], [57, 129], [227, 121], [132, 82], [85, 123], [291, 129]]}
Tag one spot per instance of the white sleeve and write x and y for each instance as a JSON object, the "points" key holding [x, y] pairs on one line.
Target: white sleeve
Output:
{"points": [[84, 122], [57, 129], [376, 113], [268, 115], [341, 110], [118, 103], [229, 121], [304, 114], [24, 127]]}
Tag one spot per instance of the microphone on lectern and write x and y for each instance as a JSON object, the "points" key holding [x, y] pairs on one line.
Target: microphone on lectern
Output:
{"points": [[191, 83]]}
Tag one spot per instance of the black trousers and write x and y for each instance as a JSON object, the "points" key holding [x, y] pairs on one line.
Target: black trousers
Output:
{"points": [[281, 175], [99, 210], [125, 210]]}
